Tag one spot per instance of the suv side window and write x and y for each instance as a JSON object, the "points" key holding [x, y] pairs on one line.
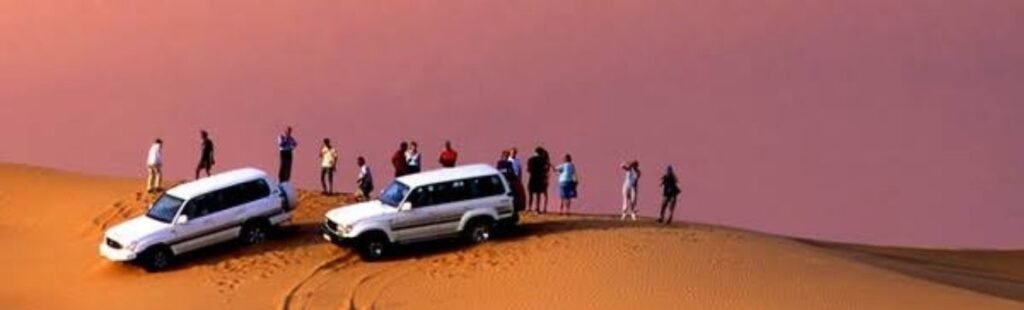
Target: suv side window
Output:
{"points": [[435, 194], [419, 197], [200, 206], [485, 187], [459, 191], [243, 193], [248, 192]]}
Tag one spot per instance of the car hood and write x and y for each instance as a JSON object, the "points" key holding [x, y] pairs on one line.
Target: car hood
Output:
{"points": [[348, 215], [135, 229]]}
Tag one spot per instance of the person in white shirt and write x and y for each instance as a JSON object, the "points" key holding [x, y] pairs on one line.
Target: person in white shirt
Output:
{"points": [[517, 167], [412, 158], [328, 164], [365, 179], [154, 161], [629, 189]]}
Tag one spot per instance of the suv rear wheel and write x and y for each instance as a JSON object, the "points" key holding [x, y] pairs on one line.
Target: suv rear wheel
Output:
{"points": [[372, 246], [479, 230], [156, 258]]}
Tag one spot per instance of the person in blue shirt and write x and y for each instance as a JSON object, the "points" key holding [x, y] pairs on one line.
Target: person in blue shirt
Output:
{"points": [[286, 144], [568, 181]]}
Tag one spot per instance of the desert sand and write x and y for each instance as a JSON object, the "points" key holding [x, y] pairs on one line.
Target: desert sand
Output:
{"points": [[51, 223]]}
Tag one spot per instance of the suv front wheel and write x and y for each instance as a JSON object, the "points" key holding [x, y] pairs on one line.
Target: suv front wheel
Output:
{"points": [[156, 258], [372, 246]]}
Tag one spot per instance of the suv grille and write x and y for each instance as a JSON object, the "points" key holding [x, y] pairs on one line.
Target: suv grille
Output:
{"points": [[332, 225], [113, 244]]}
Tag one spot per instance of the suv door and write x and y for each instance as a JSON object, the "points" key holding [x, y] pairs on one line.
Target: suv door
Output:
{"points": [[195, 233], [253, 199], [490, 192], [420, 222], [455, 199]]}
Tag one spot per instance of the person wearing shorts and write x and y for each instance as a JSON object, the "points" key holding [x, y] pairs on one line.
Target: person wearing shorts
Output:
{"points": [[568, 181]]}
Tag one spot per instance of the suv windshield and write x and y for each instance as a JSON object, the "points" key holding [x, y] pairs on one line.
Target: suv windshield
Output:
{"points": [[394, 193], [165, 208]]}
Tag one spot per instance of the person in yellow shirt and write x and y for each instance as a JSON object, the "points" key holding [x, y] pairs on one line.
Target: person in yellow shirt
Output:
{"points": [[328, 164]]}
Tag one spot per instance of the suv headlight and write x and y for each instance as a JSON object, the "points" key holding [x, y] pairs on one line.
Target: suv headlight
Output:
{"points": [[344, 228], [131, 246]]}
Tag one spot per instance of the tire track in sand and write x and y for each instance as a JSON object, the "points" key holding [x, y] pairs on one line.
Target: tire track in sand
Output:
{"points": [[298, 295], [344, 282]]}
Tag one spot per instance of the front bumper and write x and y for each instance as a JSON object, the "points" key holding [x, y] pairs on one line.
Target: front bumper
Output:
{"points": [[334, 236], [117, 255]]}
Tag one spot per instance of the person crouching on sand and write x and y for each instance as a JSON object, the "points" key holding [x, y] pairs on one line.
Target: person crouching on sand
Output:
{"points": [[365, 180], [568, 181], [154, 162], [670, 186], [629, 189], [328, 164]]}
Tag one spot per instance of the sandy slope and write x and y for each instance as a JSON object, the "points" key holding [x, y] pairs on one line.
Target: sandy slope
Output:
{"points": [[50, 223]]}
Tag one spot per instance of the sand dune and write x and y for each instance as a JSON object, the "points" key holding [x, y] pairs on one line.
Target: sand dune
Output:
{"points": [[50, 223]]}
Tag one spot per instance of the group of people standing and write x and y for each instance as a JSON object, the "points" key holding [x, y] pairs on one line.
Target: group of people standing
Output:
{"points": [[154, 160], [408, 160]]}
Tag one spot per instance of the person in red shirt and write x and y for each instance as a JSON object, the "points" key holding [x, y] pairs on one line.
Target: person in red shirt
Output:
{"points": [[448, 156], [398, 160]]}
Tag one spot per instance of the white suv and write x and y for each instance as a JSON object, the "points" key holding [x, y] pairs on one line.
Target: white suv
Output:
{"points": [[467, 200], [242, 204]]}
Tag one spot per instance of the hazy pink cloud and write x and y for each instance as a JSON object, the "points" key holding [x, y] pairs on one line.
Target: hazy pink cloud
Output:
{"points": [[894, 122]]}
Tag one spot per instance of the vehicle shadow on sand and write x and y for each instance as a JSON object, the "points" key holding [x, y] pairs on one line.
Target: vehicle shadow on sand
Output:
{"points": [[293, 239]]}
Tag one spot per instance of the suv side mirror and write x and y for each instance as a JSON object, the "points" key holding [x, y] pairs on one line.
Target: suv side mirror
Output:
{"points": [[405, 206], [181, 220]]}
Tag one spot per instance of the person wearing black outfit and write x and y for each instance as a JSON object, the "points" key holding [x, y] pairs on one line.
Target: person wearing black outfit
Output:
{"points": [[206, 160], [670, 186], [539, 167], [286, 144]]}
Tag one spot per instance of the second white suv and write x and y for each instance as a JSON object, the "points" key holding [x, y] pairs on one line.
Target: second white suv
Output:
{"points": [[240, 204], [469, 201]]}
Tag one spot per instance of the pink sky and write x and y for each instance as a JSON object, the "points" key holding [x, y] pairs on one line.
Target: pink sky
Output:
{"points": [[892, 122]]}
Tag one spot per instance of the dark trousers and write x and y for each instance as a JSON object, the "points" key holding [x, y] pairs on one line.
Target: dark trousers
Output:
{"points": [[285, 172], [327, 179], [669, 203]]}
